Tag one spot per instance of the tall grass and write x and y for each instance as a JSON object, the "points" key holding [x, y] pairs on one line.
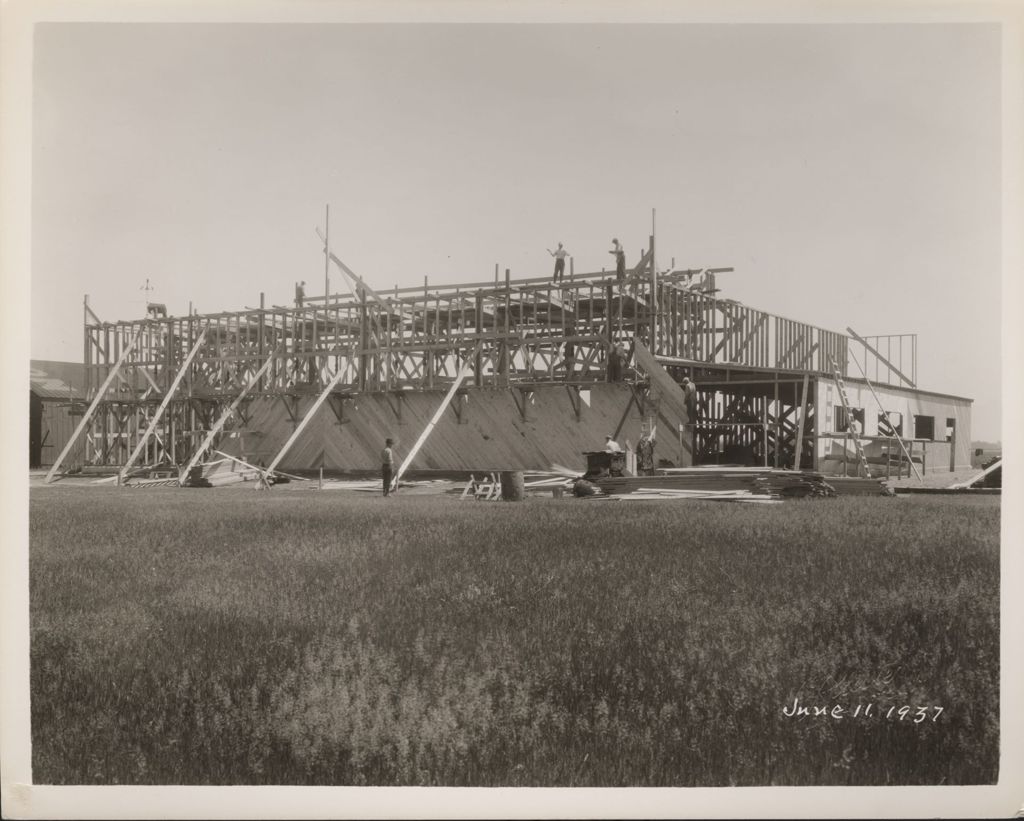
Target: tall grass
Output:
{"points": [[226, 637]]}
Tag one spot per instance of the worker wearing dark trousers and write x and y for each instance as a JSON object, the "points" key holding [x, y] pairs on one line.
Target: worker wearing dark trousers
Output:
{"points": [[690, 392], [569, 357], [559, 256], [614, 364], [620, 261], [387, 465]]}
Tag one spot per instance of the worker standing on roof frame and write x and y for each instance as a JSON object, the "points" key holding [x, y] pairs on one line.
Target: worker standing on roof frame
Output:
{"points": [[559, 254], [620, 261]]}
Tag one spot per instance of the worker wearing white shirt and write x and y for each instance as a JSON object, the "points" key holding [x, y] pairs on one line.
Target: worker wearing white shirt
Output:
{"points": [[560, 254]]}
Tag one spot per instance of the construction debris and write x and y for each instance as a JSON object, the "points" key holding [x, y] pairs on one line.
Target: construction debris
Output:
{"points": [[230, 470], [990, 477]]}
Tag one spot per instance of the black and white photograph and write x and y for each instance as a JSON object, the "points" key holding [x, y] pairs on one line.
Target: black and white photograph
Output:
{"points": [[539, 398]]}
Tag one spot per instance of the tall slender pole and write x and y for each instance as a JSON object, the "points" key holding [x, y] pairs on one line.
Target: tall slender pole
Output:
{"points": [[654, 287], [327, 256]]}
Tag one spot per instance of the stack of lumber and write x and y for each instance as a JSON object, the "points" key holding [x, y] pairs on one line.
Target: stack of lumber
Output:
{"points": [[736, 483], [359, 485], [148, 483], [407, 487], [857, 486], [659, 494]]}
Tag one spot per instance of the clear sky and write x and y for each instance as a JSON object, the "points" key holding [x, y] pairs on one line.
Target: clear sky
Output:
{"points": [[849, 173]]}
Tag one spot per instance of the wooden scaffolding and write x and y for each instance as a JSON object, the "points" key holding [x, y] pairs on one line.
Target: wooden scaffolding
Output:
{"points": [[172, 382]]}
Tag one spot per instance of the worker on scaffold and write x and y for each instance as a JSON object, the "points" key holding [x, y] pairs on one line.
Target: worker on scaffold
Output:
{"points": [[617, 357], [569, 358], [690, 394], [620, 261], [559, 254]]}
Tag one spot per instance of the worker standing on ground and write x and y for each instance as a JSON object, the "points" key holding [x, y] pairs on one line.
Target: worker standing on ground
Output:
{"points": [[387, 465], [611, 446], [620, 261], [560, 254], [690, 392]]}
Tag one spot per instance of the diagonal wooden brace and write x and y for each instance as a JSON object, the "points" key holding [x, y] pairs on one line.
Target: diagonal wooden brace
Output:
{"points": [[228, 413], [338, 375], [163, 405], [95, 404]]}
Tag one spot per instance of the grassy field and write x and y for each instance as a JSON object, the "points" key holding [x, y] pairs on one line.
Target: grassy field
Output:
{"points": [[238, 637]]}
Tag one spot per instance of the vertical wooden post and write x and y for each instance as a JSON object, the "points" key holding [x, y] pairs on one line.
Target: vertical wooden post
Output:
{"points": [[609, 335], [764, 429], [800, 424], [86, 349], [327, 255], [478, 378], [618, 311], [363, 339], [387, 348], [260, 340], [428, 357], [655, 347], [506, 359], [778, 424]]}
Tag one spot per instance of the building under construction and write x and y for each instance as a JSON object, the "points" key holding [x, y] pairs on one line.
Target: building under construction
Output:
{"points": [[519, 374]]}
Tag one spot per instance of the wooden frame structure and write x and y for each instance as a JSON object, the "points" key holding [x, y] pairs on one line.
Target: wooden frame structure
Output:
{"points": [[507, 333]]}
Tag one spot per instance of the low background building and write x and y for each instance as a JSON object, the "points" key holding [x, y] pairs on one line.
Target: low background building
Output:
{"points": [[56, 404]]}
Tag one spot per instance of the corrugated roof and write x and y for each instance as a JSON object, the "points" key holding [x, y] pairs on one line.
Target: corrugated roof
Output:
{"points": [[57, 380]]}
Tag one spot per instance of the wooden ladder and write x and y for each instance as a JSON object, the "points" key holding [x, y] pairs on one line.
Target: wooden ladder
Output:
{"points": [[861, 458]]}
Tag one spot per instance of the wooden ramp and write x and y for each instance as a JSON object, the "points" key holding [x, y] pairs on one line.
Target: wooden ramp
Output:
{"points": [[671, 403]]}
